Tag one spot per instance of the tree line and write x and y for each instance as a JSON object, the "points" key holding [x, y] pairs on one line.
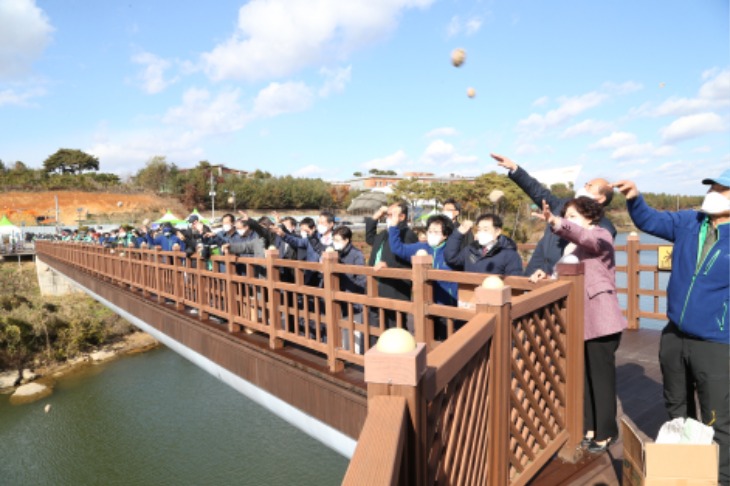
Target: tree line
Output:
{"points": [[204, 185]]}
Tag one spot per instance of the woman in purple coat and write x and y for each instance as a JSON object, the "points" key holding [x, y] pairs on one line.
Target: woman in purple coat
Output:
{"points": [[603, 322]]}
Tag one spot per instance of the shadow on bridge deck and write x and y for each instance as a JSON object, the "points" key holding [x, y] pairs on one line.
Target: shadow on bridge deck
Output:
{"points": [[639, 384]]}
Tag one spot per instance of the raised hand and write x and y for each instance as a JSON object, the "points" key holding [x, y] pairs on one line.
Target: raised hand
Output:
{"points": [[466, 226], [505, 162], [627, 188], [546, 215]]}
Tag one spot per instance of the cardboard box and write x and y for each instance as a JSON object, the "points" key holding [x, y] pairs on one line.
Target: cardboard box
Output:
{"points": [[649, 464]]}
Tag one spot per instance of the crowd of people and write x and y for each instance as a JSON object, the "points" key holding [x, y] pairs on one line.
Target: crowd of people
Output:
{"points": [[695, 344]]}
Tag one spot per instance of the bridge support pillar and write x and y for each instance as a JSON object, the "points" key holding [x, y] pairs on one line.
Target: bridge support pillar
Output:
{"points": [[52, 283]]}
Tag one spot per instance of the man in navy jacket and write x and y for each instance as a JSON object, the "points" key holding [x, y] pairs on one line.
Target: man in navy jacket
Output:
{"points": [[491, 251], [695, 344], [550, 247]]}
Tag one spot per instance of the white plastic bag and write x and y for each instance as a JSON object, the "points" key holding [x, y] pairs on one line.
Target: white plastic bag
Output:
{"points": [[685, 431]]}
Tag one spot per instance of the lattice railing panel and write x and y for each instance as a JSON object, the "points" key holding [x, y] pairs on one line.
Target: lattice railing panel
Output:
{"points": [[537, 399], [457, 426]]}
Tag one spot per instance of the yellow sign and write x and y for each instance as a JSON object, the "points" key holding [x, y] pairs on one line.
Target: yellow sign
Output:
{"points": [[664, 257]]}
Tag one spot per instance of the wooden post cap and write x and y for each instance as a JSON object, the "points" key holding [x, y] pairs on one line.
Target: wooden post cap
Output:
{"points": [[570, 269], [395, 369], [493, 296]]}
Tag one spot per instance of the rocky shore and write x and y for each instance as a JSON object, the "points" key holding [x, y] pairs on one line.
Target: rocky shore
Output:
{"points": [[37, 384]]}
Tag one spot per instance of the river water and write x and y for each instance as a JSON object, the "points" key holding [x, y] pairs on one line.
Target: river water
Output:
{"points": [[155, 419]]}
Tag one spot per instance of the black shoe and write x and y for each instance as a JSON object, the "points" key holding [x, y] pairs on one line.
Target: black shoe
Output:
{"points": [[595, 448], [586, 442]]}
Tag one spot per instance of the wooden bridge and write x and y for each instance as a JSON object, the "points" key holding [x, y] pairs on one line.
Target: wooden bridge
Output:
{"points": [[500, 401]]}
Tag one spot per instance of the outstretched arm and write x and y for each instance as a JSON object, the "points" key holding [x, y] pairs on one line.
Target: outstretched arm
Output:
{"points": [[529, 185]]}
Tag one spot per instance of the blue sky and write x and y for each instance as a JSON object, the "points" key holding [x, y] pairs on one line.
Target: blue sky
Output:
{"points": [[324, 88]]}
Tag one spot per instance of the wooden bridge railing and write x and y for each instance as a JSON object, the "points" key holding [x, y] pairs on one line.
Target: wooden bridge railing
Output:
{"points": [[495, 401], [268, 295]]}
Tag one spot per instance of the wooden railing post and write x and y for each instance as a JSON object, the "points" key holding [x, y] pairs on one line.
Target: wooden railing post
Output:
{"points": [[498, 301], [402, 375], [331, 309], [230, 267], [574, 364], [178, 287], [633, 261], [157, 286], [272, 276], [423, 332]]}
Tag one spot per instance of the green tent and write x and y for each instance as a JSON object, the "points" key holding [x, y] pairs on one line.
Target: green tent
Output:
{"points": [[169, 218]]}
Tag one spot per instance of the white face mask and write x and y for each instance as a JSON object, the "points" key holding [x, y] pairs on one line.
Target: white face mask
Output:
{"points": [[448, 214], [338, 245], [715, 203], [484, 238], [434, 240], [322, 229], [304, 234], [227, 227], [241, 231], [583, 192]]}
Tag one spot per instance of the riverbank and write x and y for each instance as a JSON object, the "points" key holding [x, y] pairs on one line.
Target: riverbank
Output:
{"points": [[38, 383]]}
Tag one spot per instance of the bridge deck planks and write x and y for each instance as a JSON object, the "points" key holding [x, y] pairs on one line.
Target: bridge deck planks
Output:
{"points": [[639, 387]]}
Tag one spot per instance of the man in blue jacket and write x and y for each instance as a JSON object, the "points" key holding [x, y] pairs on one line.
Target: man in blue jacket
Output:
{"points": [[695, 344], [438, 228], [550, 247]]}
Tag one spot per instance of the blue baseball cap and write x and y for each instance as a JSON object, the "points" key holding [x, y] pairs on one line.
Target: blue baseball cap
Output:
{"points": [[723, 180]]}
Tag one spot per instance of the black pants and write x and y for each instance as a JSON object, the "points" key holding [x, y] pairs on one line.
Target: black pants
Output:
{"points": [[686, 361], [599, 402]]}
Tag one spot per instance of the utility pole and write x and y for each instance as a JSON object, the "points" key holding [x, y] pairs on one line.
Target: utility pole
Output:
{"points": [[58, 223], [212, 194]]}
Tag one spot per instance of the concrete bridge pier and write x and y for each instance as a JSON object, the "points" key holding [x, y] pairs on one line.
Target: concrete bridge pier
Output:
{"points": [[51, 282]]}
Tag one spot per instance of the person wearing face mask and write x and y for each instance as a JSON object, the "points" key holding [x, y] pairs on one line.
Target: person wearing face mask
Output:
{"points": [[166, 239], [695, 343], [311, 241], [438, 229], [347, 254], [551, 247], [603, 321], [452, 210], [125, 238], [491, 252], [381, 256]]}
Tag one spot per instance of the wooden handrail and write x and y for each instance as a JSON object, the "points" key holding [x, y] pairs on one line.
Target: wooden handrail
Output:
{"points": [[378, 457]]}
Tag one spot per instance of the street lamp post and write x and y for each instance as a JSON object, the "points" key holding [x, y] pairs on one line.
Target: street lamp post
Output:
{"points": [[232, 199], [212, 195]]}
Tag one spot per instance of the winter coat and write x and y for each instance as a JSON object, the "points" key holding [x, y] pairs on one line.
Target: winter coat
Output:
{"points": [[501, 259], [698, 291], [594, 247], [443, 292], [550, 247]]}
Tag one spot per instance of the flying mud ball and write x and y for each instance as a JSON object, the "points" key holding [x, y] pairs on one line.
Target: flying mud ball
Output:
{"points": [[458, 56], [471, 92]]}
